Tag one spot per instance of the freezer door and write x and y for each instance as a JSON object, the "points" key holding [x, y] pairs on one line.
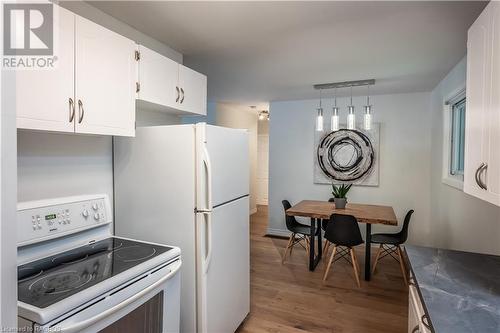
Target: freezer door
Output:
{"points": [[224, 267], [227, 151]]}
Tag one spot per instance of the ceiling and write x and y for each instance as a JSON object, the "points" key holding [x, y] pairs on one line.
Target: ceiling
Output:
{"points": [[268, 51]]}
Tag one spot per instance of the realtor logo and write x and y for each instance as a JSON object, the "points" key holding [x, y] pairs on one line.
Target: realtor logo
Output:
{"points": [[28, 36]]}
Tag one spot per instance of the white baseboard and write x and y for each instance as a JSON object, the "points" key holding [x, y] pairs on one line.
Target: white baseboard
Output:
{"points": [[278, 232], [253, 211]]}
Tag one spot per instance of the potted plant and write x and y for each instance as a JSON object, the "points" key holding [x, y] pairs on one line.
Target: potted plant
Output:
{"points": [[340, 195]]}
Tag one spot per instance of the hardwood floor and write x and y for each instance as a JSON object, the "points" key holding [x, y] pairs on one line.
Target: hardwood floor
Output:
{"points": [[289, 298]]}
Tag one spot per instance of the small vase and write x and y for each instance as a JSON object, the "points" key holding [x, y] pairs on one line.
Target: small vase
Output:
{"points": [[340, 203]]}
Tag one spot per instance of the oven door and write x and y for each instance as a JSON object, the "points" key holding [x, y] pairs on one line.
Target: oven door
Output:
{"points": [[150, 303]]}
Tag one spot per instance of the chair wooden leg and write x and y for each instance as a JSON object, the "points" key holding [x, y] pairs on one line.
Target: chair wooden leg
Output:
{"points": [[376, 258], [355, 266], [288, 246], [308, 244], [291, 245], [401, 263], [329, 263], [326, 248]]}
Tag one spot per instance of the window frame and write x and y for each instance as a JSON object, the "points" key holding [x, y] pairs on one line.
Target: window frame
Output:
{"points": [[453, 180]]}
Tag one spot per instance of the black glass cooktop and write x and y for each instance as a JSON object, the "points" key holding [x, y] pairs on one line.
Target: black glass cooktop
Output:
{"points": [[46, 281]]}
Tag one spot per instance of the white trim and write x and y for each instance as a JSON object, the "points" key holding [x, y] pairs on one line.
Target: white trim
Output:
{"points": [[253, 211], [455, 181], [277, 232]]}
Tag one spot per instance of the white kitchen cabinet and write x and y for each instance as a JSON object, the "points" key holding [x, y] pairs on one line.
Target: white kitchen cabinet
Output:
{"points": [[44, 98], [92, 88], [165, 85], [193, 86], [158, 78], [105, 81], [482, 137]]}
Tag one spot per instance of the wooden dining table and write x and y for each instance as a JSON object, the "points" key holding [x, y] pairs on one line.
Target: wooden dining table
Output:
{"points": [[322, 210]]}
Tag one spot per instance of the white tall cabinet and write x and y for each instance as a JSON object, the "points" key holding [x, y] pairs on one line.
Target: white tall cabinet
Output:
{"points": [[482, 138], [92, 88]]}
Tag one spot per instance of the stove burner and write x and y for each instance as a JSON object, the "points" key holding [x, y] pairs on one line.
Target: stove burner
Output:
{"points": [[61, 282], [67, 259], [115, 246], [135, 253]]}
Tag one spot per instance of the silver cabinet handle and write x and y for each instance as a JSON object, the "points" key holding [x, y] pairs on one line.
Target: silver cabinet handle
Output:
{"points": [[178, 94], [476, 176], [71, 109], [415, 329], [81, 111], [425, 321], [481, 171], [182, 99]]}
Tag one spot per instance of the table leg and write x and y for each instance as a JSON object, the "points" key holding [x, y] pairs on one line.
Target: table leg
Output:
{"points": [[368, 246], [311, 245], [320, 242]]}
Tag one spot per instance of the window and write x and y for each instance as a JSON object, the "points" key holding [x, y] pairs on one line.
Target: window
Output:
{"points": [[457, 138], [454, 140]]}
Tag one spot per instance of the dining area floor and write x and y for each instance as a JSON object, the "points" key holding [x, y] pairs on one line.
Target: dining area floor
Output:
{"points": [[290, 298]]}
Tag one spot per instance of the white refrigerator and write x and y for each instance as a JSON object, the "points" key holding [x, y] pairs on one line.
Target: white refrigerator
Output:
{"points": [[188, 185]]}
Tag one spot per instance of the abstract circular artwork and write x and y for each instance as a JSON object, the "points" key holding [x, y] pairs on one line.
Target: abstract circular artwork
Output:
{"points": [[346, 156]]}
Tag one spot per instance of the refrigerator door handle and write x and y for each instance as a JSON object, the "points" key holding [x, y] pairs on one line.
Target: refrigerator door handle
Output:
{"points": [[208, 166], [208, 257]]}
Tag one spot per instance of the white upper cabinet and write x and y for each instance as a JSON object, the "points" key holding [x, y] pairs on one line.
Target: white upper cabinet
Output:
{"points": [[105, 81], [44, 98], [193, 86], [92, 88], [482, 137], [169, 86], [158, 78]]}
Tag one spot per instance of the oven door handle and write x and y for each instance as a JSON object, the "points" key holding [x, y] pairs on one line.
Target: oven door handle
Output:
{"points": [[88, 322]]}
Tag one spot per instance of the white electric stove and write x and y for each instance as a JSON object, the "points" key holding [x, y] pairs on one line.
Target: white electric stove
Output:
{"points": [[74, 276]]}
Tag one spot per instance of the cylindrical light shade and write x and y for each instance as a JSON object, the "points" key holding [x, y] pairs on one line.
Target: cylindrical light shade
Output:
{"points": [[368, 118], [319, 120], [335, 119], [351, 118]]}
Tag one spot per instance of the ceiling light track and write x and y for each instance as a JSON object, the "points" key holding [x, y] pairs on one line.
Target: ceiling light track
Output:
{"points": [[344, 84]]}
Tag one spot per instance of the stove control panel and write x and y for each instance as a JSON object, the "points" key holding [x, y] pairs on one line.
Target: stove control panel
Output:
{"points": [[47, 219]]}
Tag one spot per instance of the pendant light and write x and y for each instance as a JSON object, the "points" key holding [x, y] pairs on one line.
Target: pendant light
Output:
{"points": [[351, 117], [368, 112], [319, 119], [334, 124]]}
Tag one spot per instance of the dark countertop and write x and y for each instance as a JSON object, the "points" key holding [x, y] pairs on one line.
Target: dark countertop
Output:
{"points": [[460, 290]]}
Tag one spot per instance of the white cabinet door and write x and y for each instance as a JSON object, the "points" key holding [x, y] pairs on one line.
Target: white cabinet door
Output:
{"points": [[158, 77], [193, 87], [43, 96], [477, 91], [105, 80], [493, 171], [482, 152]]}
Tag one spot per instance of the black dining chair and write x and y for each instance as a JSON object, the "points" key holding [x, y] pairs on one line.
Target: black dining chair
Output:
{"points": [[391, 243], [324, 224], [343, 232], [299, 232]]}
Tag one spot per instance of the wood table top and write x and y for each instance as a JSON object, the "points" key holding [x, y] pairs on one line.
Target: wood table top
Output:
{"points": [[373, 214]]}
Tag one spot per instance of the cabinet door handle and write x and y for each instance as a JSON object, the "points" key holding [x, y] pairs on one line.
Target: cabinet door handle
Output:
{"points": [[81, 111], [182, 99], [178, 94], [481, 171], [476, 175], [71, 109]]}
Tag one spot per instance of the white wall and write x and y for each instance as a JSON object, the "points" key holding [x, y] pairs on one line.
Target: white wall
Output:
{"points": [[241, 116], [262, 195], [459, 221], [404, 158]]}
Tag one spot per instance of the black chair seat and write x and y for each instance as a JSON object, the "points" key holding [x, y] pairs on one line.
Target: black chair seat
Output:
{"points": [[392, 239], [301, 229]]}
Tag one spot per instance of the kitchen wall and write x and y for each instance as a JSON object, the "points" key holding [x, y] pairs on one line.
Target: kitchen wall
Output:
{"points": [[53, 165], [459, 221], [241, 116], [405, 145], [262, 162]]}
